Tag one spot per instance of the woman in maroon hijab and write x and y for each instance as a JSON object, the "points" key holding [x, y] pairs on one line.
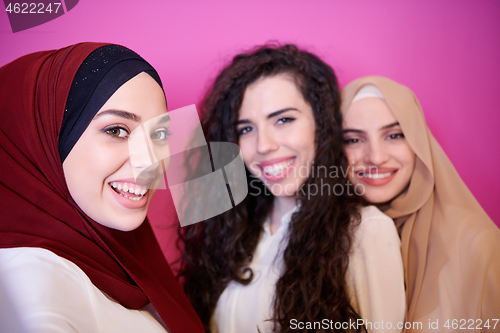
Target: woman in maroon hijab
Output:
{"points": [[76, 250]]}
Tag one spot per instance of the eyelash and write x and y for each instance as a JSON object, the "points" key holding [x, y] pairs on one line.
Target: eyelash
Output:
{"points": [[396, 136], [166, 131], [108, 130], [391, 137], [285, 120], [244, 129], [280, 121], [350, 141]]}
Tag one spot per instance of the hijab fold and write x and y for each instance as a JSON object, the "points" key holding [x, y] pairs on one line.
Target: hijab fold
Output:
{"points": [[104, 71], [450, 247], [37, 208]]}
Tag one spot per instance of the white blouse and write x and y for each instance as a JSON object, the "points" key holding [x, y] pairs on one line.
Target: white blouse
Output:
{"points": [[374, 277], [48, 293]]}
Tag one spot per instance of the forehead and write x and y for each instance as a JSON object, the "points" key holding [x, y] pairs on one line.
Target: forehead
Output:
{"points": [[367, 113], [270, 94], [140, 95]]}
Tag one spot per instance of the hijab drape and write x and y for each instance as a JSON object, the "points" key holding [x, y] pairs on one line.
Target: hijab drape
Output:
{"points": [[450, 247], [104, 71], [37, 208]]}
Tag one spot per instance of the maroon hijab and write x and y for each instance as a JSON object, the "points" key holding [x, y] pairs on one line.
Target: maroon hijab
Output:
{"points": [[37, 209]]}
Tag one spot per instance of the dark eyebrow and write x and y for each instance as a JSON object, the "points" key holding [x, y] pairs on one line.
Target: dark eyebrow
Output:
{"points": [[271, 115], [119, 113], [390, 125], [352, 131], [348, 130], [277, 113], [164, 119]]}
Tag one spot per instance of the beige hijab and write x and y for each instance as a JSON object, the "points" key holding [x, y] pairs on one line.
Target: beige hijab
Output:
{"points": [[450, 247]]}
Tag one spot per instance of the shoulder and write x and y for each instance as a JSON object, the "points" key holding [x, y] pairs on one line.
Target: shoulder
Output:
{"points": [[373, 221], [373, 213], [46, 289], [40, 266], [52, 294]]}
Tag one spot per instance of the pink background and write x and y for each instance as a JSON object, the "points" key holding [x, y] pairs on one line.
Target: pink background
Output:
{"points": [[447, 52]]}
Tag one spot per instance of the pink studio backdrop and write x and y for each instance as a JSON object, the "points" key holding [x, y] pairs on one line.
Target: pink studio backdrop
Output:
{"points": [[447, 52]]}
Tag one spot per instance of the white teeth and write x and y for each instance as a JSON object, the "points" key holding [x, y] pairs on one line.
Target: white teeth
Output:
{"points": [[276, 169], [136, 190], [376, 175], [133, 198]]}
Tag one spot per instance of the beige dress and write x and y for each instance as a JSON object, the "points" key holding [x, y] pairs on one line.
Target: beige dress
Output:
{"points": [[374, 278]]}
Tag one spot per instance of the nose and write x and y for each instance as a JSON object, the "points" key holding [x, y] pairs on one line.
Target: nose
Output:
{"points": [[266, 142], [144, 157], [142, 152], [376, 153]]}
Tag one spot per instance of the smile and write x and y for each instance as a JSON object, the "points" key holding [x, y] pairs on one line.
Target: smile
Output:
{"points": [[379, 177], [130, 191], [276, 169], [376, 175]]}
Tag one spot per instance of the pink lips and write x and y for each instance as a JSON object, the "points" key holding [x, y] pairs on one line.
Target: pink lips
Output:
{"points": [[280, 175], [126, 202], [275, 161], [374, 171]]}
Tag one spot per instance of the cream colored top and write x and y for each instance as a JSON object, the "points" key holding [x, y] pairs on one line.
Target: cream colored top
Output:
{"points": [[374, 278], [51, 294]]}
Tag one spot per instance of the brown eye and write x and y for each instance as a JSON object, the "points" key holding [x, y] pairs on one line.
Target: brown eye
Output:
{"points": [[160, 134], [117, 132], [396, 136]]}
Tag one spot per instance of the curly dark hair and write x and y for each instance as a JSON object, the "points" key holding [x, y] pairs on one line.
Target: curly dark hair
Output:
{"points": [[219, 250]]}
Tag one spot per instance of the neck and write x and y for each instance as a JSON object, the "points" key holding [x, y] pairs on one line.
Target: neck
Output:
{"points": [[281, 206]]}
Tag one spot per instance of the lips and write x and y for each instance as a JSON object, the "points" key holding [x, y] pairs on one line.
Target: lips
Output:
{"points": [[376, 176], [129, 190], [277, 169], [129, 194]]}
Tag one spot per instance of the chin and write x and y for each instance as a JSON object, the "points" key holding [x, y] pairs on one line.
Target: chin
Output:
{"points": [[286, 188], [124, 222], [379, 196], [128, 225]]}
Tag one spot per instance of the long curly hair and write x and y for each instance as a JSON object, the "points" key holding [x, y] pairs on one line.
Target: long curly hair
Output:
{"points": [[219, 250]]}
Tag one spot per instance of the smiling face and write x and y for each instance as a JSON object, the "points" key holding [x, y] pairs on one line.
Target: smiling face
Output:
{"points": [[276, 129], [98, 170], [381, 158]]}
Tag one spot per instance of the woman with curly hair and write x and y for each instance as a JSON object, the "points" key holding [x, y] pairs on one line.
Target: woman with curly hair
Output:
{"points": [[297, 253]]}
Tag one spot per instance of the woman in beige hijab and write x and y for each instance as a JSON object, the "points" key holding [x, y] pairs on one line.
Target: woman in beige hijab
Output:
{"points": [[450, 247]]}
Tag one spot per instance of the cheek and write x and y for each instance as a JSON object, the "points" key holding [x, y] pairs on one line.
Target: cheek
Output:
{"points": [[103, 162], [247, 151], [405, 155], [302, 139], [409, 162], [353, 155], [91, 163]]}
